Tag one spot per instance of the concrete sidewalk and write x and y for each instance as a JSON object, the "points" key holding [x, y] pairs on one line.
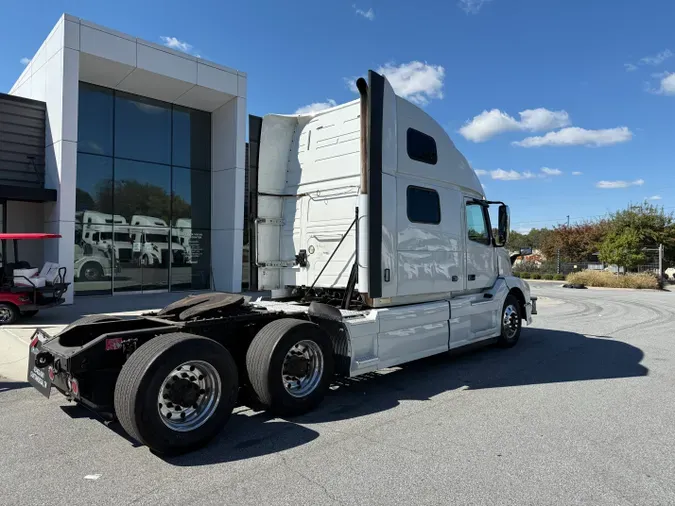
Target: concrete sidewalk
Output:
{"points": [[14, 339]]}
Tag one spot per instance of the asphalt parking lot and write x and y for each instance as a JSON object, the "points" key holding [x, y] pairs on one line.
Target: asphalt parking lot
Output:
{"points": [[580, 412]]}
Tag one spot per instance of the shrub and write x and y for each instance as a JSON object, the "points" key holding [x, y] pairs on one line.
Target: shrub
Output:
{"points": [[559, 277], [548, 277], [516, 274], [525, 275], [536, 275], [610, 280]]}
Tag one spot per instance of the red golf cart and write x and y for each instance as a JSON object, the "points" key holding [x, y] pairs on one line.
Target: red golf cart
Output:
{"points": [[23, 290]]}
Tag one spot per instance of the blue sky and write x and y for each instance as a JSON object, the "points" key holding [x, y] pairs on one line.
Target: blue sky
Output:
{"points": [[572, 86]]}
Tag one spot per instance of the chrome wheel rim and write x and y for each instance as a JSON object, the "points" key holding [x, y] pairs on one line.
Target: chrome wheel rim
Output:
{"points": [[510, 321], [5, 314], [302, 369], [90, 274], [189, 396]]}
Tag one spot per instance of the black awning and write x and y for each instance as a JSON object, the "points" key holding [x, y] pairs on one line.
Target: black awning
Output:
{"points": [[27, 194]]}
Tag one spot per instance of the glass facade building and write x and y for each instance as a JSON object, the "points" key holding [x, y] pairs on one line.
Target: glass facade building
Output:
{"points": [[143, 194]]}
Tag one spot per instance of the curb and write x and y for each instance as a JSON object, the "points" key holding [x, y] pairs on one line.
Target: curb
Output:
{"points": [[14, 353]]}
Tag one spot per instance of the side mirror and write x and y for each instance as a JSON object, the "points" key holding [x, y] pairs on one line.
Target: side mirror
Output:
{"points": [[504, 225]]}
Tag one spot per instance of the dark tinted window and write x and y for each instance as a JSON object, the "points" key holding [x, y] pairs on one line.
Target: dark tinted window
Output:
{"points": [[143, 189], [191, 198], [421, 147], [142, 129], [94, 184], [95, 120], [191, 138], [423, 205], [197, 244]]}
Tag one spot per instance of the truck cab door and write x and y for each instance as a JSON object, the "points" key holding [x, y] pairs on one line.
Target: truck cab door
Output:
{"points": [[480, 253]]}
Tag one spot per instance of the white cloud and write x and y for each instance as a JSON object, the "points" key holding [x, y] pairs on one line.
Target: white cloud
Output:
{"points": [[514, 175], [490, 123], [577, 173], [551, 172], [24, 61], [619, 184], [667, 86], [630, 67], [472, 6], [316, 107], [510, 175], [657, 59], [575, 136], [655, 197], [174, 43], [416, 81], [369, 14]]}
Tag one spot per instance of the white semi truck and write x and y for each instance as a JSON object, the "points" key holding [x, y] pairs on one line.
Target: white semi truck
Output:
{"points": [[97, 231], [151, 237], [372, 234]]}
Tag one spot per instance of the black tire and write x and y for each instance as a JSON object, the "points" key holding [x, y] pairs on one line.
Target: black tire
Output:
{"points": [[508, 338], [95, 318], [29, 314], [9, 313], [91, 271], [139, 383], [265, 358]]}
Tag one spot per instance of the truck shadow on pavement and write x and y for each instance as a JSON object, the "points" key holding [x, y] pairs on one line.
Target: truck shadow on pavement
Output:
{"points": [[542, 356], [7, 385]]}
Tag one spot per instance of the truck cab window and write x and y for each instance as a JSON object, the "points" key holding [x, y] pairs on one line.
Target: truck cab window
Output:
{"points": [[423, 205], [421, 147], [476, 225]]}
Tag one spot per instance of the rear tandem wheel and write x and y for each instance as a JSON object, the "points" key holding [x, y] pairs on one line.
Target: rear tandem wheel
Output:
{"points": [[290, 366], [176, 392]]}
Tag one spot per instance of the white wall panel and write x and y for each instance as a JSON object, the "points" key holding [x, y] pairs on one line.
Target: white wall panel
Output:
{"points": [[166, 64], [106, 45], [70, 82], [241, 86], [215, 79], [54, 98], [71, 35], [224, 135]]}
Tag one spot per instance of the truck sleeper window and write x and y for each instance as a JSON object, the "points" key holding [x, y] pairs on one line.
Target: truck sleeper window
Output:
{"points": [[475, 224], [423, 205], [421, 147]]}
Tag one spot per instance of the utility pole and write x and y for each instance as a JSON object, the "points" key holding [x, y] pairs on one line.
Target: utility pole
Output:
{"points": [[558, 261], [568, 221], [660, 261]]}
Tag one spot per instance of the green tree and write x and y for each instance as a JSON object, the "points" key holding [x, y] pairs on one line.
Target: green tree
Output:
{"points": [[623, 248], [576, 243], [518, 241], [651, 224], [135, 198]]}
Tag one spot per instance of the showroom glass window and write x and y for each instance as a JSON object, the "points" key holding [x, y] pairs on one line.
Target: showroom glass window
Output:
{"points": [[143, 214]]}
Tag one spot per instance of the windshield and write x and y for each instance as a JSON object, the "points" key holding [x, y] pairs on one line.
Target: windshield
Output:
{"points": [[119, 236], [156, 238]]}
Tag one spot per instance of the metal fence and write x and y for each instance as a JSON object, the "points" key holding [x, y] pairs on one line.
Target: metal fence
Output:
{"points": [[653, 264]]}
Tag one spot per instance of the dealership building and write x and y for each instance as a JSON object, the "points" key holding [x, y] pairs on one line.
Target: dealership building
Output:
{"points": [[135, 154]]}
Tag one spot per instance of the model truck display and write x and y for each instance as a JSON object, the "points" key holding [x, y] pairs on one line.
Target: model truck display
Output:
{"points": [[373, 235]]}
